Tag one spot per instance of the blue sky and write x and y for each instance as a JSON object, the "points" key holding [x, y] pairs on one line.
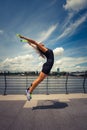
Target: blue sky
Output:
{"points": [[60, 24]]}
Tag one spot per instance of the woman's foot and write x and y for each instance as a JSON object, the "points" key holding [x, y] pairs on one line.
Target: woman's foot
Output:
{"points": [[29, 96]]}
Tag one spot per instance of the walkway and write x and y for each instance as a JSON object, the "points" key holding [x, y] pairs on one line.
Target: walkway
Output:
{"points": [[44, 112]]}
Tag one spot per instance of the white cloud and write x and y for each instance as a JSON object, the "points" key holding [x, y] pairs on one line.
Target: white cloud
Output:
{"points": [[19, 63], [1, 31], [71, 64], [26, 46], [59, 62], [72, 27], [51, 3], [32, 63], [75, 5], [78, 67], [18, 59], [58, 51], [46, 34]]}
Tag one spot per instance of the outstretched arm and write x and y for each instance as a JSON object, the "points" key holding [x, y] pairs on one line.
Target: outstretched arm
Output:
{"points": [[30, 41]]}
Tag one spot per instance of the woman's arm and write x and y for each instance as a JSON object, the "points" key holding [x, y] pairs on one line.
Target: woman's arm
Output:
{"points": [[30, 41]]}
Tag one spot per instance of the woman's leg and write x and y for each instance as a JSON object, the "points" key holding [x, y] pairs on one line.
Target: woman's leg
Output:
{"points": [[40, 78]]}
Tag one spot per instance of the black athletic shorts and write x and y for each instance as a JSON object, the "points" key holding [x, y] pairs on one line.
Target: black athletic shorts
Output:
{"points": [[50, 61], [47, 67]]}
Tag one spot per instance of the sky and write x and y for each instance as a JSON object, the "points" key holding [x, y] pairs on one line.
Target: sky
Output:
{"points": [[60, 24]]}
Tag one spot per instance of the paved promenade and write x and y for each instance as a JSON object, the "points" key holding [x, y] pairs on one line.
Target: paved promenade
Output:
{"points": [[44, 112]]}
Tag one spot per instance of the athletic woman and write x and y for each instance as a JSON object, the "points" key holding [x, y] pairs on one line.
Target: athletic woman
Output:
{"points": [[44, 52]]}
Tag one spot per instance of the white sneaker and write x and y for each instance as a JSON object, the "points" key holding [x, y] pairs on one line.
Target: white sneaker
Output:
{"points": [[28, 95]]}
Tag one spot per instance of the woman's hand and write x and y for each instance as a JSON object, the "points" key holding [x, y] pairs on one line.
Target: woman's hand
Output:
{"points": [[21, 36]]}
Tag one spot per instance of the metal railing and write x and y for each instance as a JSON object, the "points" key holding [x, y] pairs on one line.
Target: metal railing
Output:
{"points": [[17, 84]]}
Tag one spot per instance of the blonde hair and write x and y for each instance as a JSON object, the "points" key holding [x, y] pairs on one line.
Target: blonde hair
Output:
{"points": [[38, 50]]}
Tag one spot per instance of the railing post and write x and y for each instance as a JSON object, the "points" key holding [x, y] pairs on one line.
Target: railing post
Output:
{"points": [[84, 82], [47, 87], [5, 84], [67, 75]]}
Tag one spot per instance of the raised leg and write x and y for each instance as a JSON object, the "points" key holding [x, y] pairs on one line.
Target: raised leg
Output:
{"points": [[40, 78]]}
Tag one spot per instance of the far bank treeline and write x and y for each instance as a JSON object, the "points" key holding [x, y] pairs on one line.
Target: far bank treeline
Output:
{"points": [[36, 73]]}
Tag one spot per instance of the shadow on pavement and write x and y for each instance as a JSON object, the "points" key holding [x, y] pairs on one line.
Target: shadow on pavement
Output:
{"points": [[48, 104]]}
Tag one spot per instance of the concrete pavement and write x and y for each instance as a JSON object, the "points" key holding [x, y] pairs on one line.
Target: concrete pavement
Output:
{"points": [[44, 112]]}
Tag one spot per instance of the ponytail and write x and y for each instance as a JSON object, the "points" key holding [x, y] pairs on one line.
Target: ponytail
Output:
{"points": [[38, 50]]}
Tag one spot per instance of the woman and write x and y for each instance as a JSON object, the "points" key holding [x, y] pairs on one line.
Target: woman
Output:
{"points": [[44, 52]]}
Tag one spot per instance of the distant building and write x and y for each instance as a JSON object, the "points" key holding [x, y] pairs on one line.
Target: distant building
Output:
{"points": [[58, 70]]}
